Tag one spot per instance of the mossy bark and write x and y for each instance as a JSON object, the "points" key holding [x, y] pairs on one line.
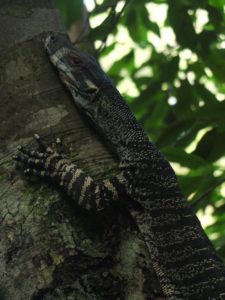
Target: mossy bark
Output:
{"points": [[49, 248]]}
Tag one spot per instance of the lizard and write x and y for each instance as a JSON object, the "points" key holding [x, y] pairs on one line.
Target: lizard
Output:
{"points": [[184, 259]]}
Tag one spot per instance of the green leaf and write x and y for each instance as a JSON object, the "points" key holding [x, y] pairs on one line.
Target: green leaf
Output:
{"points": [[135, 18], [212, 114], [107, 50], [180, 156], [173, 132], [198, 68], [160, 110], [169, 69], [214, 59], [182, 24], [149, 25], [216, 17], [192, 181], [70, 10], [103, 7], [180, 133], [205, 94], [204, 183], [101, 32], [145, 102], [187, 100], [126, 62], [206, 38], [140, 2], [211, 147], [217, 3]]}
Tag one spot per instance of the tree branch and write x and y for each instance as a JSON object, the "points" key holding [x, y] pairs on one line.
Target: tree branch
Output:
{"points": [[114, 24], [83, 33]]}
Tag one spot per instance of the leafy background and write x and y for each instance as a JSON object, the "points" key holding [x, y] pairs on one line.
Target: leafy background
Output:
{"points": [[168, 60]]}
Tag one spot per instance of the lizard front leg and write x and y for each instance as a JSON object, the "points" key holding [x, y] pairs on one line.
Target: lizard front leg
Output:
{"points": [[74, 181]]}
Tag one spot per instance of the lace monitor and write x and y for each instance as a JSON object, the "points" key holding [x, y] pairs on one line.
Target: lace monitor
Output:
{"points": [[183, 258]]}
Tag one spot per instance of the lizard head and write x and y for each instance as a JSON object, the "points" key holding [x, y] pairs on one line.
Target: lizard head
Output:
{"points": [[79, 71], [92, 90]]}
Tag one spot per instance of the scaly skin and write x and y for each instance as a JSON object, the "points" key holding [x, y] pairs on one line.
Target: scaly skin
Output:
{"points": [[183, 258]]}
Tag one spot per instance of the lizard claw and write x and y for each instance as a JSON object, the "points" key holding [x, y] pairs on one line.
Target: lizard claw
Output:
{"points": [[58, 141], [42, 145]]}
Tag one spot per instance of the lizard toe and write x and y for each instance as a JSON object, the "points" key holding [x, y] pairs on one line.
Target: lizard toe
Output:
{"points": [[42, 145]]}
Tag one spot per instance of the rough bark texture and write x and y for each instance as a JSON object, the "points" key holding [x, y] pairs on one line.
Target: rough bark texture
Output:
{"points": [[51, 249]]}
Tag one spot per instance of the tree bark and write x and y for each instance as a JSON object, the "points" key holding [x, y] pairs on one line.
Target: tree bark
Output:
{"points": [[50, 248]]}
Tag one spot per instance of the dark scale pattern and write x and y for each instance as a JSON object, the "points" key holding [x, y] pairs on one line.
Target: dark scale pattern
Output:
{"points": [[183, 258]]}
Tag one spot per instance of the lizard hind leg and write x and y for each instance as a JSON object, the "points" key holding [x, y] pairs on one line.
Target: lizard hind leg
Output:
{"points": [[79, 186]]}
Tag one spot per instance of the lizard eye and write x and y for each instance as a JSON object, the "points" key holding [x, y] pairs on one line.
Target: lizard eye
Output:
{"points": [[76, 61], [53, 38]]}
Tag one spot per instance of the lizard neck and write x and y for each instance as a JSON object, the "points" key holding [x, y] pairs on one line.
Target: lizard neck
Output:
{"points": [[118, 125]]}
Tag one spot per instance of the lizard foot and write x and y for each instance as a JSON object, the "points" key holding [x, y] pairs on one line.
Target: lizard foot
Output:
{"points": [[44, 162]]}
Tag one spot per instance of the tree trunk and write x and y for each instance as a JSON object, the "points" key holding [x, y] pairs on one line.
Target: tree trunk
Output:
{"points": [[50, 248]]}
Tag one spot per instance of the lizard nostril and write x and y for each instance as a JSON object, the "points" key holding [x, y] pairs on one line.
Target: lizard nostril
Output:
{"points": [[52, 38]]}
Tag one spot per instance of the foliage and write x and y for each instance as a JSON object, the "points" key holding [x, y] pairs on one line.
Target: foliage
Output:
{"points": [[70, 10], [178, 87]]}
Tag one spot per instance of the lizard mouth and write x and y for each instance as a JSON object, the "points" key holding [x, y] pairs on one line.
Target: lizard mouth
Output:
{"points": [[83, 98], [69, 80]]}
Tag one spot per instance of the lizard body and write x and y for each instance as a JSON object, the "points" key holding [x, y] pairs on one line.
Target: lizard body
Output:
{"points": [[183, 258]]}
